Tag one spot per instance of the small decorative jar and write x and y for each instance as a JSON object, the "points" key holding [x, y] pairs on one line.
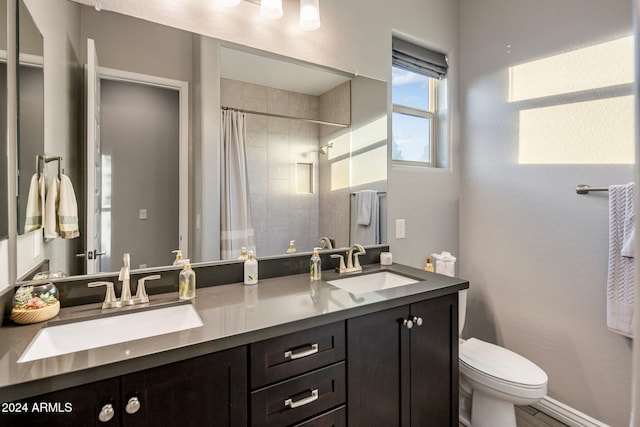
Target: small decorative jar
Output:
{"points": [[35, 302]]}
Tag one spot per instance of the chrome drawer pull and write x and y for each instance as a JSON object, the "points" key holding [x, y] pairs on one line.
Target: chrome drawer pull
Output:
{"points": [[292, 356], [291, 404]]}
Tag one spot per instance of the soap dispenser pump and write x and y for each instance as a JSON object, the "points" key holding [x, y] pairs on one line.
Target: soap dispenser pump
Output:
{"points": [[292, 247], [187, 280], [243, 254], [179, 259]]}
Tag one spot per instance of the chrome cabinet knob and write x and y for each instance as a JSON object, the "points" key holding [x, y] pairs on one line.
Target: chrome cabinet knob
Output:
{"points": [[106, 413], [408, 323], [417, 321], [133, 405]]}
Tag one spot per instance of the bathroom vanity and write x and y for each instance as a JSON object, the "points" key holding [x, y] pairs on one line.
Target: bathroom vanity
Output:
{"points": [[287, 352]]}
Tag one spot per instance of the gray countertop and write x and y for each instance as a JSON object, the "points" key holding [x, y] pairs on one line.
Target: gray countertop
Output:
{"points": [[232, 314]]}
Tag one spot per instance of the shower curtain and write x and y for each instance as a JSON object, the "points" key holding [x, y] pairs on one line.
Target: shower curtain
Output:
{"points": [[235, 216]]}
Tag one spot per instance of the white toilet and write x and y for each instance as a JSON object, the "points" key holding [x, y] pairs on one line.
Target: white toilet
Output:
{"points": [[493, 380]]}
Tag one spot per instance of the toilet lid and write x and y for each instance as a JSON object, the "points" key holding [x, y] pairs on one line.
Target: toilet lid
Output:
{"points": [[501, 363]]}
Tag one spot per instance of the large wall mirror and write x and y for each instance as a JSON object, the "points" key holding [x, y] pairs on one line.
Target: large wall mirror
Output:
{"points": [[4, 220], [315, 137]]}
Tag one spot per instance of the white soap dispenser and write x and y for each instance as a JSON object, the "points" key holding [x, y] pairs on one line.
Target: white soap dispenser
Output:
{"points": [[292, 247], [178, 260], [251, 270], [243, 254]]}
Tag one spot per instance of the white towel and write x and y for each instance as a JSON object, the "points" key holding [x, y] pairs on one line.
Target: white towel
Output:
{"points": [[67, 209], [61, 210], [365, 201], [50, 209], [621, 272], [368, 234], [35, 204]]}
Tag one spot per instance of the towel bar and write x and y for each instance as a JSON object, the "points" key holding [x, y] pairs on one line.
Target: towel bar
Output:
{"points": [[585, 189]]}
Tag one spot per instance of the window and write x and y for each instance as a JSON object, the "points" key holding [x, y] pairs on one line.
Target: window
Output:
{"points": [[415, 79]]}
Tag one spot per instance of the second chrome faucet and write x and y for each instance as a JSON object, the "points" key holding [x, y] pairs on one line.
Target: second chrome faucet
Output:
{"points": [[353, 262]]}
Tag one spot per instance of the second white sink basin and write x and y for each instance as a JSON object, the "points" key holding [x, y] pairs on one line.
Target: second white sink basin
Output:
{"points": [[372, 282], [107, 330]]}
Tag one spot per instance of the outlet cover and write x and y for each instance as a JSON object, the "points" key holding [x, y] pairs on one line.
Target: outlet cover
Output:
{"points": [[400, 229]]}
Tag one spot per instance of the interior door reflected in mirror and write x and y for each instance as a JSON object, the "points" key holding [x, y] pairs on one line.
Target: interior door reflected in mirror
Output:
{"points": [[4, 220], [30, 74]]}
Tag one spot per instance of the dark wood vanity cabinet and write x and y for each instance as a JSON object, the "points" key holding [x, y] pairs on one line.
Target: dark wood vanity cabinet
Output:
{"points": [[403, 366], [208, 390], [396, 367]]}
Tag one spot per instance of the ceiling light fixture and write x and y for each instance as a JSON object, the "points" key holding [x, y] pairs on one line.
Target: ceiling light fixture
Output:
{"points": [[272, 9], [309, 15]]}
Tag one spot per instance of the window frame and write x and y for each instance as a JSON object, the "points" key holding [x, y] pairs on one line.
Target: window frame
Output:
{"points": [[430, 114]]}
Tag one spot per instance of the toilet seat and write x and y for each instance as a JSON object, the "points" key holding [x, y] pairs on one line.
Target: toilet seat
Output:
{"points": [[502, 370]]}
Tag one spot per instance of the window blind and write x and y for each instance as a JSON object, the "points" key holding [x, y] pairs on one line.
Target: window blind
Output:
{"points": [[418, 59]]}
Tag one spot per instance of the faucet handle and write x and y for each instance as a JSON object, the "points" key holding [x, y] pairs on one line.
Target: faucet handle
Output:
{"points": [[356, 258], [342, 267], [141, 293], [110, 300]]}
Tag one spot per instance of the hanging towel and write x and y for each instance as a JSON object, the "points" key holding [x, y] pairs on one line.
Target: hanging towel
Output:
{"points": [[50, 209], [365, 201], [61, 210], [35, 204], [369, 233], [621, 271], [67, 211]]}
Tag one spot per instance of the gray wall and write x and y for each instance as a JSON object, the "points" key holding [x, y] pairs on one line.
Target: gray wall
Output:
{"points": [[535, 252]]}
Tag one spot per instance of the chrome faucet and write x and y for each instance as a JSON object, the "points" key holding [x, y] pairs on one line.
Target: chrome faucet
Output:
{"points": [[353, 262], [141, 293], [110, 300], [125, 296], [326, 242]]}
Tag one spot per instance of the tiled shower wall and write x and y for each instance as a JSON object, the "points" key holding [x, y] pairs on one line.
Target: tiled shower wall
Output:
{"points": [[274, 148]]}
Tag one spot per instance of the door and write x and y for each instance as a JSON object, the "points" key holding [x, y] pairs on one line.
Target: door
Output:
{"points": [[209, 390], [94, 164], [374, 358], [434, 363]]}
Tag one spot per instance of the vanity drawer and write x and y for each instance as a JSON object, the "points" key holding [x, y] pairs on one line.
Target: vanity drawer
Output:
{"points": [[334, 418], [299, 398], [283, 357]]}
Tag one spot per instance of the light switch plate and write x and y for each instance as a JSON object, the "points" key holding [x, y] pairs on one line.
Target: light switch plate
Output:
{"points": [[400, 229]]}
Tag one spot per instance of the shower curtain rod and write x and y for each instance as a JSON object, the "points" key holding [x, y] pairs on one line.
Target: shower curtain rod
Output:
{"points": [[280, 116]]}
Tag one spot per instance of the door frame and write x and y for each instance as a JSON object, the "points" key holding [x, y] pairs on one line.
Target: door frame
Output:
{"points": [[183, 157]]}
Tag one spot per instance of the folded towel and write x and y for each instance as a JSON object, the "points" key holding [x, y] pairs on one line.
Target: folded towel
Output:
{"points": [[365, 200], [621, 269], [67, 211], [35, 204], [629, 244], [445, 263], [50, 209], [368, 234]]}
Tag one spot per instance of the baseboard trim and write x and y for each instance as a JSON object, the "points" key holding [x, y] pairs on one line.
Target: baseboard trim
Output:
{"points": [[566, 414]]}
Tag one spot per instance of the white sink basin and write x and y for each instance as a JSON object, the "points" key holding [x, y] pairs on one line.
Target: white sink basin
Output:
{"points": [[372, 282], [107, 330]]}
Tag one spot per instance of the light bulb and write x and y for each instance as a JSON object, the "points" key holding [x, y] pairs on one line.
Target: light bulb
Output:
{"points": [[271, 9], [309, 15]]}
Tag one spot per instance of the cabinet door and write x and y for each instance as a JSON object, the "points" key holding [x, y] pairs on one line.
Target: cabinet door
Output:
{"points": [[374, 360], [77, 406], [434, 363], [209, 390]]}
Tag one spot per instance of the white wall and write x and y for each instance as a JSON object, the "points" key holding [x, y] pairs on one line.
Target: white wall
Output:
{"points": [[534, 251]]}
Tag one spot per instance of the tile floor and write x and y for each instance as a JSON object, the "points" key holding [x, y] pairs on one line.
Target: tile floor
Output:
{"points": [[526, 416]]}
